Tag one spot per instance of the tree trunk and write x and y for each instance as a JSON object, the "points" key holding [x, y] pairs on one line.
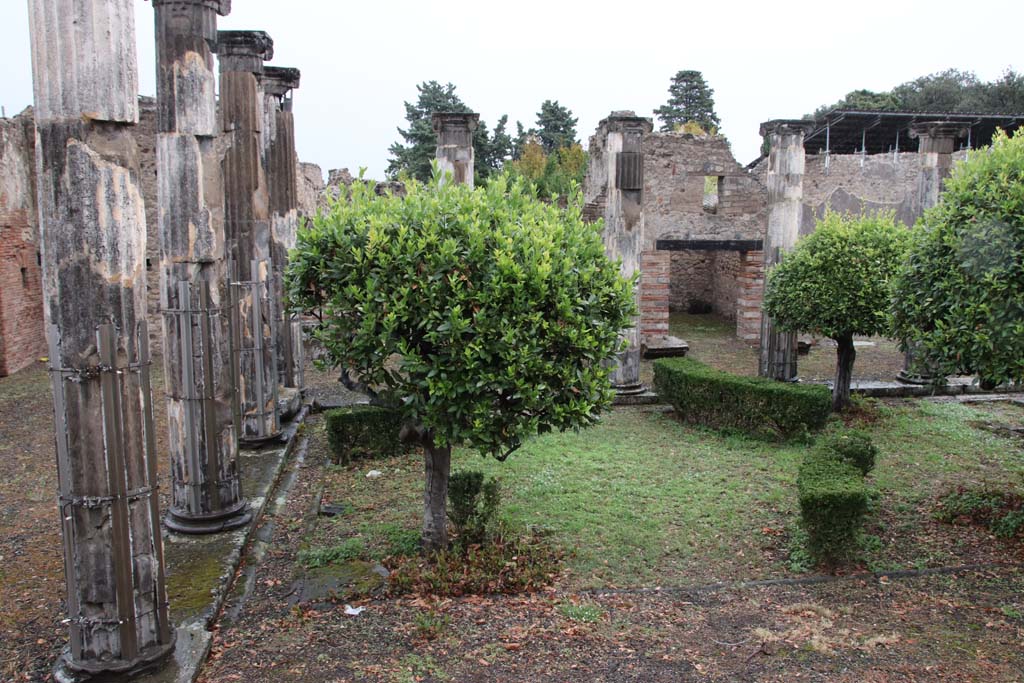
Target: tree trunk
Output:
{"points": [[437, 463], [845, 355]]}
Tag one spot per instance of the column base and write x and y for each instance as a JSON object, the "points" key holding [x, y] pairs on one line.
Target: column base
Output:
{"points": [[237, 516], [906, 377], [253, 441], [629, 389], [66, 670]]}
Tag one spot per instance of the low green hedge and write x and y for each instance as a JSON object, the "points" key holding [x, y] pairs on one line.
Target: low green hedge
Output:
{"points": [[363, 430], [855, 447], [833, 502], [762, 407]]}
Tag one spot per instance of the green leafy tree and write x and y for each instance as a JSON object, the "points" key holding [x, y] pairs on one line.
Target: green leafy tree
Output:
{"points": [[485, 315], [837, 283], [557, 174], [690, 99], [556, 126], [416, 156], [960, 297]]}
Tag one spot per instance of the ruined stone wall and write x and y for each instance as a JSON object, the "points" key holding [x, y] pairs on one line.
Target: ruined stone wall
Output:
{"points": [[725, 288], [311, 188], [145, 139], [21, 298]]}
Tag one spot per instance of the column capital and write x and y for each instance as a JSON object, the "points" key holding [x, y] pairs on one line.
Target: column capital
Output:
{"points": [[244, 50], [221, 7], [787, 127], [937, 130], [452, 120], [626, 120], [280, 80]]}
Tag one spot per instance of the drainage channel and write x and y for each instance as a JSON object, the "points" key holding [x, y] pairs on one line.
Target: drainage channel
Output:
{"points": [[261, 539]]}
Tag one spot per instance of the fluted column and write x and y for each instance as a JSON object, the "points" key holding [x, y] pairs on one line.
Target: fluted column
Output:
{"points": [[454, 152], [247, 225], [785, 212], [93, 241], [281, 163], [194, 296]]}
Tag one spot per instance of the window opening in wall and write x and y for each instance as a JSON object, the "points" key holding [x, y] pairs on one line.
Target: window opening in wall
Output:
{"points": [[712, 192], [24, 276]]}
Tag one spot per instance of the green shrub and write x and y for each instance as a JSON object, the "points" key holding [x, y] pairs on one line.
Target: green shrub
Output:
{"points": [[473, 505], [1000, 511], [855, 447], [762, 407], [833, 502], [349, 549], [363, 430]]}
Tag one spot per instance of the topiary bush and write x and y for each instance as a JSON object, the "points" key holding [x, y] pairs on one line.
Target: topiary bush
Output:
{"points": [[833, 502], [363, 430], [855, 447], [755, 405]]}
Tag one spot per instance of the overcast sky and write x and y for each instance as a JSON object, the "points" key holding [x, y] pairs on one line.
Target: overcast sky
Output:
{"points": [[782, 59]]}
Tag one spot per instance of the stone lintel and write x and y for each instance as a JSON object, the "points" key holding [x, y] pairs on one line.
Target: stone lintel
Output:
{"points": [[454, 121], [244, 50], [786, 127], [626, 120], [937, 137], [221, 7], [279, 80]]}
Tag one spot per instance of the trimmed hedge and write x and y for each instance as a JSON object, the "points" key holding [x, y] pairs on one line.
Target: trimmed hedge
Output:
{"points": [[833, 502], [855, 447], [756, 405], [363, 430]]}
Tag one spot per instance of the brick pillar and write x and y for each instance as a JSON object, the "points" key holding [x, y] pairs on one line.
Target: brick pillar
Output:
{"points": [[751, 296], [93, 238], [622, 174], [194, 296], [282, 168], [937, 142], [247, 225], [785, 212], [455, 144], [654, 290]]}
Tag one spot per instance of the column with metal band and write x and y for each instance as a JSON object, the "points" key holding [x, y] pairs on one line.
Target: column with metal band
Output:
{"points": [[93, 243]]}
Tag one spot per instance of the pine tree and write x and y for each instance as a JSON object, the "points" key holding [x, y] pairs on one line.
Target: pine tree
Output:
{"points": [[690, 99], [556, 126]]}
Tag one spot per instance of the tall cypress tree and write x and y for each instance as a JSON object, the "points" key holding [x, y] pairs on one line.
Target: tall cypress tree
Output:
{"points": [[690, 99]]}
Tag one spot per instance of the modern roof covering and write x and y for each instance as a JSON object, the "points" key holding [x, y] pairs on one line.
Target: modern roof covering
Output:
{"points": [[849, 131]]}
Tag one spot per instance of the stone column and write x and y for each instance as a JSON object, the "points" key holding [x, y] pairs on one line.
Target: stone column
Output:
{"points": [[201, 403], [281, 163], [622, 177], [785, 212], [93, 240], [247, 225], [936, 144], [455, 144]]}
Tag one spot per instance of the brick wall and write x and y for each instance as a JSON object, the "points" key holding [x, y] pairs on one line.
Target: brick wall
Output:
{"points": [[21, 300], [145, 139], [750, 295], [654, 293]]}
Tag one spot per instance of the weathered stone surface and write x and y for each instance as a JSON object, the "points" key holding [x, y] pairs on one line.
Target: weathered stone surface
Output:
{"points": [[455, 144], [92, 222]]}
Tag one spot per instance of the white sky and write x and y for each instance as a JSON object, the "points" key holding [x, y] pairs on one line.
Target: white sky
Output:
{"points": [[361, 60]]}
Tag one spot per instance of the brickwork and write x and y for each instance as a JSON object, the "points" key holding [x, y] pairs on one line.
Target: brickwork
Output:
{"points": [[21, 298], [654, 293], [145, 139], [750, 294]]}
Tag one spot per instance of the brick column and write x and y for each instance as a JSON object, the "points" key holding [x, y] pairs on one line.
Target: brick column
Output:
{"points": [[194, 296], [936, 144], [247, 226], [785, 211], [622, 135], [455, 144], [281, 163], [751, 296], [654, 292], [93, 238]]}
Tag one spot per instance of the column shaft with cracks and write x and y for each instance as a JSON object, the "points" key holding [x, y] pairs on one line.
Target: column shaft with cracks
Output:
{"points": [[785, 212], [194, 295], [247, 225], [93, 241]]}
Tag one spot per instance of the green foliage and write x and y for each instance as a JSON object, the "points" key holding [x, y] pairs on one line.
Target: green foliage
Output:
{"points": [[755, 405], [556, 126], [960, 296], [855, 447], [837, 281], [833, 502], [417, 154], [486, 314], [999, 510], [430, 624], [473, 506], [690, 100], [349, 549], [363, 430], [947, 91], [557, 174]]}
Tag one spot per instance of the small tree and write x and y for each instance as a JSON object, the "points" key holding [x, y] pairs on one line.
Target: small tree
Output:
{"points": [[485, 314], [960, 296], [556, 126], [837, 283], [690, 99]]}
